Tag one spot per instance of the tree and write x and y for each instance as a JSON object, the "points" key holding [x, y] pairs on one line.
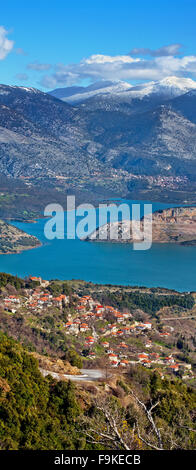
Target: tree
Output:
{"points": [[108, 427]]}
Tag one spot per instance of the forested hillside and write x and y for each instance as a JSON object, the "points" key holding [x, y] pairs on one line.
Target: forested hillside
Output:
{"points": [[40, 413]]}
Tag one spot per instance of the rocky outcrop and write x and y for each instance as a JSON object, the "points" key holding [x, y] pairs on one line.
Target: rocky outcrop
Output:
{"points": [[13, 240], [55, 365]]}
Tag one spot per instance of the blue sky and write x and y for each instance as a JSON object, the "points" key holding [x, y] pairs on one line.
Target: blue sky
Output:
{"points": [[49, 44]]}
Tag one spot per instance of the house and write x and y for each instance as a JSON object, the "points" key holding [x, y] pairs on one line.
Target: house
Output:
{"points": [[114, 363], [58, 301], [154, 355], [119, 317], [61, 298], [71, 327], [92, 355], [44, 283], [113, 327], [112, 357], [91, 315], [99, 309], [84, 316], [102, 330], [12, 299], [36, 279], [146, 362], [123, 345], [185, 366], [127, 315], [147, 325], [74, 329], [132, 329], [80, 308], [124, 363], [33, 305], [65, 298], [105, 344], [140, 327], [90, 339], [119, 332], [169, 360], [76, 321], [84, 327], [126, 330], [108, 308], [174, 367], [99, 316], [142, 357]]}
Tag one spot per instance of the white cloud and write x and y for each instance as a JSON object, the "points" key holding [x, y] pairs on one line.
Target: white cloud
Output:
{"points": [[123, 67], [105, 59], [6, 45], [39, 67], [170, 50]]}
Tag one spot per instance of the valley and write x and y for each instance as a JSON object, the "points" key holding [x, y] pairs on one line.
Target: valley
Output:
{"points": [[76, 353], [81, 358], [97, 234], [73, 321], [105, 150]]}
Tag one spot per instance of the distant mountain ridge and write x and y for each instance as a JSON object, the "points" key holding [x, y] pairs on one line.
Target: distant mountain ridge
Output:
{"points": [[147, 129], [169, 87], [74, 95]]}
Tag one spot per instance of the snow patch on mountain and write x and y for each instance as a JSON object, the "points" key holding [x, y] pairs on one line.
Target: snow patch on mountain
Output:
{"points": [[169, 87], [109, 88]]}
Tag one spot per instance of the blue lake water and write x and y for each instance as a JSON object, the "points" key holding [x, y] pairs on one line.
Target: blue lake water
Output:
{"points": [[164, 265]]}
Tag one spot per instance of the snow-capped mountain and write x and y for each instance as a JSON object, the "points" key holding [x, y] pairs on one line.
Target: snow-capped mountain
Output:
{"points": [[150, 135], [169, 86], [75, 95], [118, 92]]}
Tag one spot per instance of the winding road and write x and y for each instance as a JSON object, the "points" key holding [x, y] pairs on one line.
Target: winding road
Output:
{"points": [[87, 375]]}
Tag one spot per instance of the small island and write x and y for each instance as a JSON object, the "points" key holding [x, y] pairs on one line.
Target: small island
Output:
{"points": [[14, 240]]}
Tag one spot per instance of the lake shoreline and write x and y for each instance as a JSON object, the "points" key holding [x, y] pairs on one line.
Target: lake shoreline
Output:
{"points": [[172, 266]]}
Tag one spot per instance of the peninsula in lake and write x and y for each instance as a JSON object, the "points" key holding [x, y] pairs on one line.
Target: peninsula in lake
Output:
{"points": [[173, 225], [14, 240]]}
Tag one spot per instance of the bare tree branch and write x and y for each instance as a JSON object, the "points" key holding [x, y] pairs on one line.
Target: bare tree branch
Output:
{"points": [[114, 427], [146, 442], [151, 420]]}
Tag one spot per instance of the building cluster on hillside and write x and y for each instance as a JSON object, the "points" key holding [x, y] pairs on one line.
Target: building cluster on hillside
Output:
{"points": [[171, 182], [35, 300], [103, 326]]}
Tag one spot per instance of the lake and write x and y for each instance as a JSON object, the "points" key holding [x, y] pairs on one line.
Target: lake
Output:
{"points": [[164, 265]]}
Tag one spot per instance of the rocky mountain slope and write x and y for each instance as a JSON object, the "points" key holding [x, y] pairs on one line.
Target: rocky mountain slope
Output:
{"points": [[144, 130], [40, 135], [159, 141]]}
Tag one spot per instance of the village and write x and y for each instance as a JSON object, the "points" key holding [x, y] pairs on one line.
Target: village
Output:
{"points": [[101, 332]]}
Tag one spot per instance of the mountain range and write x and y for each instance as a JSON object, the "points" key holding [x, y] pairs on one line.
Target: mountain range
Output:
{"points": [[147, 129], [109, 92]]}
